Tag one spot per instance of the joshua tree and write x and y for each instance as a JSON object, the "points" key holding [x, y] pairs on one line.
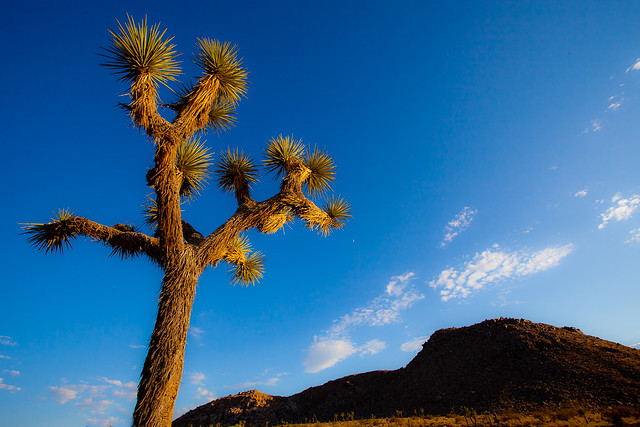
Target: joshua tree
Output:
{"points": [[145, 59]]}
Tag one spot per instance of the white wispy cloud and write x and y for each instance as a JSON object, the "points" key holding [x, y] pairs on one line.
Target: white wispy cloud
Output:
{"points": [[372, 347], [94, 406], [335, 345], [581, 193], [11, 372], [63, 394], [92, 399], [127, 391], [415, 345], [205, 395], [458, 224], [5, 340], [267, 382], [137, 346], [197, 378], [2, 356], [117, 383], [635, 66], [196, 333], [596, 125], [621, 210], [326, 353], [8, 387], [494, 265], [634, 236], [615, 105], [103, 421], [399, 295]]}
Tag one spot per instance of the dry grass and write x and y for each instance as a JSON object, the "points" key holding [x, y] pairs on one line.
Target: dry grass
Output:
{"points": [[619, 416]]}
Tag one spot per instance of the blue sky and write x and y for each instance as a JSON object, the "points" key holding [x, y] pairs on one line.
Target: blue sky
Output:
{"points": [[489, 151]]}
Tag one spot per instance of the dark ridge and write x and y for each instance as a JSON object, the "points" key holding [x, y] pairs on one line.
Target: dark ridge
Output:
{"points": [[494, 365]]}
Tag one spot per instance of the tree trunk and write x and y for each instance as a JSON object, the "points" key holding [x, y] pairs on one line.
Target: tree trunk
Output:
{"points": [[162, 369]]}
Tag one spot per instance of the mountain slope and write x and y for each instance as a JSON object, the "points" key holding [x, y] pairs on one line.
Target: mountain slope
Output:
{"points": [[493, 365]]}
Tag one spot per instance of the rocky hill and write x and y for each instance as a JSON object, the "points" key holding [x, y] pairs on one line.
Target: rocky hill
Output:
{"points": [[493, 365]]}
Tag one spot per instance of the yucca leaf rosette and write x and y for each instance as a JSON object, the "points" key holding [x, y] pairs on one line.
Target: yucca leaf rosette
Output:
{"points": [[234, 169], [53, 236], [246, 266], [322, 172], [138, 49], [193, 160], [280, 152]]}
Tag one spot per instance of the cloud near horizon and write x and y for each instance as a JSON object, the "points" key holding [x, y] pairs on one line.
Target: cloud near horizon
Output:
{"points": [[415, 345], [273, 380], [334, 345], [204, 395], [324, 354], [494, 265], [458, 224], [91, 398], [621, 210]]}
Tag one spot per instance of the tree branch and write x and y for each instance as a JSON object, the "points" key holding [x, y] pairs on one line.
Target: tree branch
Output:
{"points": [[144, 109], [122, 239], [194, 112], [262, 215]]}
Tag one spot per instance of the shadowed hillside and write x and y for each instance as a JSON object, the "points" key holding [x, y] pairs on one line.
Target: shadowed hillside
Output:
{"points": [[493, 365]]}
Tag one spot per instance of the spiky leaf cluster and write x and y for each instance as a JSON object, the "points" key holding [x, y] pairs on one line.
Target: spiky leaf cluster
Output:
{"points": [[238, 249], [53, 236], [338, 210], [234, 167], [222, 116], [150, 212], [247, 267], [250, 271], [280, 152], [322, 172], [193, 160], [275, 222], [138, 49], [220, 61]]}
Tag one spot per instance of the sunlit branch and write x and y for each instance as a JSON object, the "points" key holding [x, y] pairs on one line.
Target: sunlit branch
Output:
{"points": [[124, 240]]}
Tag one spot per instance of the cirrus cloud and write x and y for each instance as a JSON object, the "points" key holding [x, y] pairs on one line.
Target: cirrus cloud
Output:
{"points": [[8, 387], [621, 210], [399, 295], [5, 340], [634, 236], [335, 345], [494, 265], [635, 66], [458, 224]]}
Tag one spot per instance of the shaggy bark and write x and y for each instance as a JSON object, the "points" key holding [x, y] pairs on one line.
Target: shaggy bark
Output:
{"points": [[162, 369]]}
